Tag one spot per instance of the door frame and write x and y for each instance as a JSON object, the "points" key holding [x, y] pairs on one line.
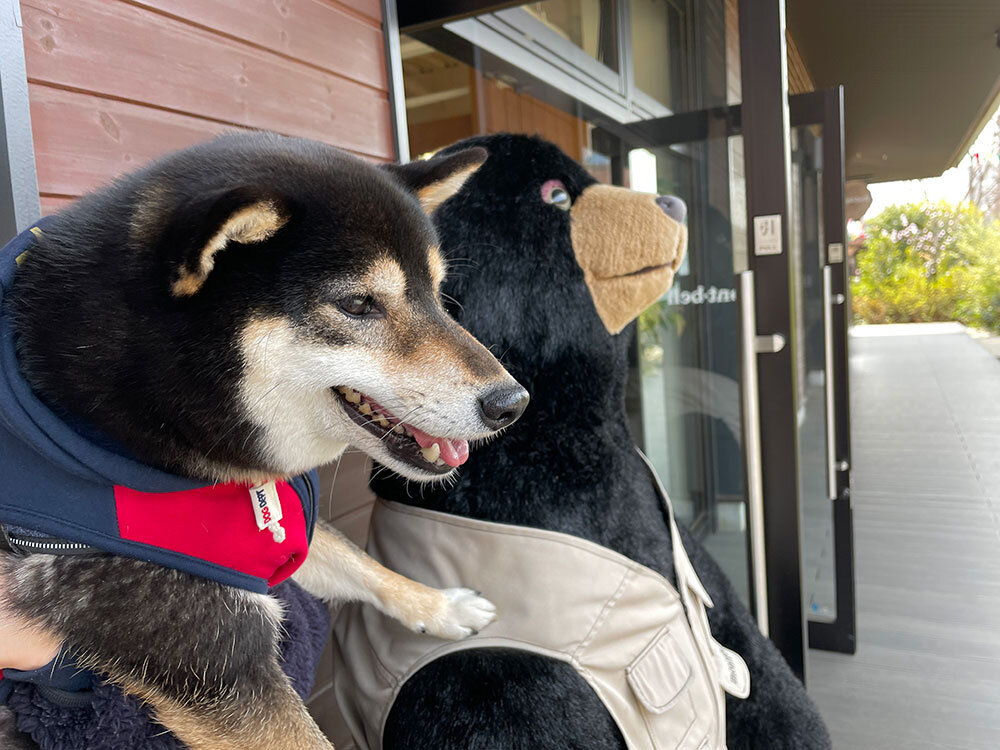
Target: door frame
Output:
{"points": [[826, 108], [783, 544]]}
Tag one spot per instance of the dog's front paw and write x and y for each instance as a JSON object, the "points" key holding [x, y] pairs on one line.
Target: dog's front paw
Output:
{"points": [[461, 613]]}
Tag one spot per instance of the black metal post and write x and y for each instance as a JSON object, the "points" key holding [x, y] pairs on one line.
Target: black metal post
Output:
{"points": [[18, 183], [415, 15], [766, 144], [839, 635]]}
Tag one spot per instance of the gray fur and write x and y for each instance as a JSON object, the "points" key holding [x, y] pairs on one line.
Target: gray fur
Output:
{"points": [[10, 738]]}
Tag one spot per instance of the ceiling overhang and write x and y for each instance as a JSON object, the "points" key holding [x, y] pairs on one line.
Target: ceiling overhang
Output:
{"points": [[921, 77]]}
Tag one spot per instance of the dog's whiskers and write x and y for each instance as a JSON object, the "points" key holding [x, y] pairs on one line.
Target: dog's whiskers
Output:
{"points": [[378, 472], [238, 421], [453, 301], [401, 419]]}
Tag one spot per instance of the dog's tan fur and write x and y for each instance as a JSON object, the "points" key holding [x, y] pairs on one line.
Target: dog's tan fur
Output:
{"points": [[274, 722], [249, 225], [437, 193], [437, 266], [336, 570], [386, 279]]}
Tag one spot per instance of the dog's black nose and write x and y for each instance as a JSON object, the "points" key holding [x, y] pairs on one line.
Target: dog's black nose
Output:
{"points": [[672, 206], [503, 406]]}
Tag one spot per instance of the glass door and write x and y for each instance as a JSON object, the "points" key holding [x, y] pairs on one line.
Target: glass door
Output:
{"points": [[689, 367], [587, 75], [817, 239], [640, 92], [696, 366], [704, 380]]}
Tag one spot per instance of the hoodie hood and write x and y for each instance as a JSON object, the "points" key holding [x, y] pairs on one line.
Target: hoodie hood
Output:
{"points": [[59, 483]]}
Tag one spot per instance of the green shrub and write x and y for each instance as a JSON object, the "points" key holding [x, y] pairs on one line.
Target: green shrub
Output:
{"points": [[979, 304], [926, 262]]}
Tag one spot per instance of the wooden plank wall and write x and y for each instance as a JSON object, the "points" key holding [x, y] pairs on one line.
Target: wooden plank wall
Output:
{"points": [[114, 83]]}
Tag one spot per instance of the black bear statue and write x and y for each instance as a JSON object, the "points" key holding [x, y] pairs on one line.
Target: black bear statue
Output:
{"points": [[525, 243]]}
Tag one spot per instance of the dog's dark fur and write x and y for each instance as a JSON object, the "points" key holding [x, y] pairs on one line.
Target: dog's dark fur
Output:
{"points": [[567, 466], [102, 337], [126, 324]]}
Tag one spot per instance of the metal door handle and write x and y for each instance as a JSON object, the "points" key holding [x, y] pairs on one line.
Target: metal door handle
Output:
{"points": [[772, 343], [751, 446], [831, 435]]}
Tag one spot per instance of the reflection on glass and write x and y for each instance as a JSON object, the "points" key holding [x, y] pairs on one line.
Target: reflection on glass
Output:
{"points": [[447, 100], [658, 50], [684, 393], [688, 350], [806, 240], [439, 97], [588, 24]]}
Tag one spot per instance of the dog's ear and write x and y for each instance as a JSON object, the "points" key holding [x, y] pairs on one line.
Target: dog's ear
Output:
{"points": [[205, 225], [436, 179]]}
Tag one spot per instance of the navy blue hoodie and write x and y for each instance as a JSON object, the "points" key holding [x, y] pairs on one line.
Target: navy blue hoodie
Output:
{"points": [[58, 484]]}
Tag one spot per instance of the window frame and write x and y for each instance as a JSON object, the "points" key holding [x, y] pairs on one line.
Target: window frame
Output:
{"points": [[526, 43]]}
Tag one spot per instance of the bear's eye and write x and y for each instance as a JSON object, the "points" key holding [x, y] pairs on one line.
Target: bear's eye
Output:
{"points": [[556, 194], [359, 306]]}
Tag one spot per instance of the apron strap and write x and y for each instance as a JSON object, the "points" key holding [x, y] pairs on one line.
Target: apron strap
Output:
{"points": [[728, 669], [684, 570]]}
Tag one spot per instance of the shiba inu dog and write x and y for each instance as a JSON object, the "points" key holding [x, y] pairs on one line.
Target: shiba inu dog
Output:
{"points": [[177, 349]]}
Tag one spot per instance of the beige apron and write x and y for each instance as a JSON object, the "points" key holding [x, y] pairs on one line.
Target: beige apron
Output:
{"points": [[645, 650]]}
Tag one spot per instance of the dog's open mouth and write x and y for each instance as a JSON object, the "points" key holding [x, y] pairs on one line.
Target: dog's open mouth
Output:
{"points": [[404, 441]]}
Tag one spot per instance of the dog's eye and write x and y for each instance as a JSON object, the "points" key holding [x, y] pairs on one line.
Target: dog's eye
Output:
{"points": [[359, 306], [556, 194]]}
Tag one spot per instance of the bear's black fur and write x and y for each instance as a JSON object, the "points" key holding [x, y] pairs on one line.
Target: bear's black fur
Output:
{"points": [[567, 466]]}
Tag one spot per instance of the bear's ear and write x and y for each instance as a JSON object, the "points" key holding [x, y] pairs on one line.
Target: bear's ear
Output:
{"points": [[201, 227], [435, 180]]}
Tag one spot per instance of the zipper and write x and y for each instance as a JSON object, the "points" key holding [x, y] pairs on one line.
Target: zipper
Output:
{"points": [[66, 698], [49, 546]]}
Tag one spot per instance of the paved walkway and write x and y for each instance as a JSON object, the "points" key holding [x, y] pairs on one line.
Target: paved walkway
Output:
{"points": [[926, 481]]}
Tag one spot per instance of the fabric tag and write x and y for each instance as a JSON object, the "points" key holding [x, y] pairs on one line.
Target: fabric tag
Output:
{"points": [[733, 673], [266, 505]]}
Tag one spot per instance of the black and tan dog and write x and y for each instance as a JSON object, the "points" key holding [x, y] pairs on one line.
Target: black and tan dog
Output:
{"points": [[237, 313]]}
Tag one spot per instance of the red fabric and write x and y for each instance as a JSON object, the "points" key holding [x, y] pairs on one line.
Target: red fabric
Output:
{"points": [[217, 524]]}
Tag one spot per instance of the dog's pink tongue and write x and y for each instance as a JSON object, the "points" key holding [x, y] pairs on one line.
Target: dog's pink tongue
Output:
{"points": [[453, 452]]}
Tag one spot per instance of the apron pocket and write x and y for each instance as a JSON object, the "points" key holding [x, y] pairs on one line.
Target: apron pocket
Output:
{"points": [[662, 678]]}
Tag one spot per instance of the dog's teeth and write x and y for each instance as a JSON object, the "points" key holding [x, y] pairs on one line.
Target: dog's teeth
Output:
{"points": [[383, 422], [352, 396], [431, 452], [439, 462], [365, 409], [398, 429]]}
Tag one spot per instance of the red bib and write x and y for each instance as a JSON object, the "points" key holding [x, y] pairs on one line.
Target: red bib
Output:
{"points": [[260, 531]]}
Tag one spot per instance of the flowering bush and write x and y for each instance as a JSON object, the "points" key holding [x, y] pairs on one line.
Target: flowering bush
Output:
{"points": [[927, 262]]}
